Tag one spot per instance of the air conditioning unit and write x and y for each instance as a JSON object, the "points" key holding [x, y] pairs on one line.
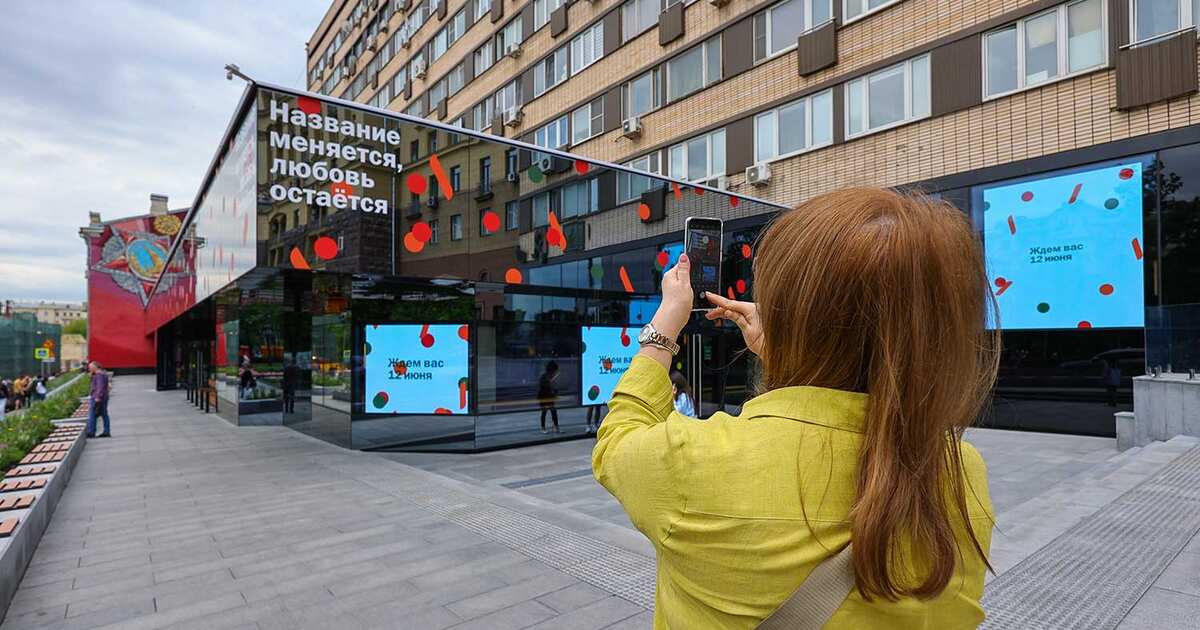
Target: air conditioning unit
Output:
{"points": [[512, 177], [371, 46], [512, 50], [405, 37], [432, 202], [759, 174], [374, 80], [631, 127], [718, 3], [546, 164], [419, 69], [720, 182], [512, 117]]}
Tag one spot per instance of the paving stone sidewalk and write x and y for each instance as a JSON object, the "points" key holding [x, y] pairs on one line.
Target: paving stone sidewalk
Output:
{"points": [[184, 521]]}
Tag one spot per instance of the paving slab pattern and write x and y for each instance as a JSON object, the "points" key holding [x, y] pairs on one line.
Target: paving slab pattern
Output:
{"points": [[184, 521]]}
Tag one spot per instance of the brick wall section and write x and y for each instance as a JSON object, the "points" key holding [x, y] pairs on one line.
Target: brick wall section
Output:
{"points": [[1066, 115]]}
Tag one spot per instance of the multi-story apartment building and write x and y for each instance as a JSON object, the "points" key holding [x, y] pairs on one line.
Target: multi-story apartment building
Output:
{"points": [[1012, 103], [60, 313]]}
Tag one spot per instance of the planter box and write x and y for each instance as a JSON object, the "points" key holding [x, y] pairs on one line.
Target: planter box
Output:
{"points": [[17, 547]]}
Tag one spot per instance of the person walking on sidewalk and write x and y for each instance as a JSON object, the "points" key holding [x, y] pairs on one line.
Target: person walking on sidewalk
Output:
{"points": [[548, 394], [4, 394], [98, 400]]}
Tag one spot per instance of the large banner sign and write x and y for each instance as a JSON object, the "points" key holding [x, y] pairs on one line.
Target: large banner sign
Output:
{"points": [[607, 353], [417, 368], [1066, 251]]}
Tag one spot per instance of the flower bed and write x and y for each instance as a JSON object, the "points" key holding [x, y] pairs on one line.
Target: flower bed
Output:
{"points": [[21, 432]]}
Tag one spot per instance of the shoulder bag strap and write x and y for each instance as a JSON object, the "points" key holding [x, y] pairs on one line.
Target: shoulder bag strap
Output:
{"points": [[813, 603]]}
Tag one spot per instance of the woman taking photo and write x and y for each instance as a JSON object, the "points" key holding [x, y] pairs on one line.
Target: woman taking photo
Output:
{"points": [[869, 323]]}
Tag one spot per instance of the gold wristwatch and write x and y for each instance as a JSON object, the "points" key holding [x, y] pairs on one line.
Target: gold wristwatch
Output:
{"points": [[651, 337]]}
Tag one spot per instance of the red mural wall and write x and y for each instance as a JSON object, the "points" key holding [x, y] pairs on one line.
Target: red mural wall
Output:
{"points": [[124, 260]]}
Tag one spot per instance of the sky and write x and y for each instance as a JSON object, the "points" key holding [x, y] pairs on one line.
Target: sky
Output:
{"points": [[105, 102]]}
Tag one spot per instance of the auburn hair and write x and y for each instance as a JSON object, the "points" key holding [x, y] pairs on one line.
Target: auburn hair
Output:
{"points": [[883, 292]]}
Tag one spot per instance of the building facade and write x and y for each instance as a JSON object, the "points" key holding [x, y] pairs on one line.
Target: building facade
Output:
{"points": [[786, 100], [125, 257], [296, 292], [60, 313]]}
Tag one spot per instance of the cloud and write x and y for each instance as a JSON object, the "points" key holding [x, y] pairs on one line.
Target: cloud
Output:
{"points": [[105, 103]]}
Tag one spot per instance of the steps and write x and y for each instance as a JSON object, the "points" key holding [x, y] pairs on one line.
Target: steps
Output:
{"points": [[1081, 554]]}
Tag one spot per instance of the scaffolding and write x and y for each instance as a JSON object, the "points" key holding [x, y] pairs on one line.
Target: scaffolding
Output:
{"points": [[21, 337]]}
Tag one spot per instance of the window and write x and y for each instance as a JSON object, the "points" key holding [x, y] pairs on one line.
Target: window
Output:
{"points": [[1049, 45], [456, 227], [448, 35], [512, 215], [795, 127], [483, 231], [455, 178], [641, 94], [694, 69], [485, 175], [888, 97], [630, 186], [483, 58], [506, 97], [433, 141], [580, 198], [698, 159], [553, 135], [482, 114], [437, 94], [433, 230], [854, 9], [482, 9], [543, 204], [414, 150], [778, 28], [637, 16], [510, 163], [550, 71], [454, 80], [509, 36], [587, 47], [587, 121], [1151, 18], [542, 10]]}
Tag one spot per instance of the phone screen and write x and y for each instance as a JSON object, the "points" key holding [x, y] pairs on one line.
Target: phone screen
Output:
{"points": [[703, 245]]}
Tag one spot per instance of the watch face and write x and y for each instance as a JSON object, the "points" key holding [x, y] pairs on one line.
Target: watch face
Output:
{"points": [[644, 336]]}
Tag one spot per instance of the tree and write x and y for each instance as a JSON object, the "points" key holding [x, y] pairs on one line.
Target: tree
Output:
{"points": [[75, 327]]}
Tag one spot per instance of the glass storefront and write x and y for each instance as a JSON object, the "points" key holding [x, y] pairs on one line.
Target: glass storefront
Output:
{"points": [[422, 286]]}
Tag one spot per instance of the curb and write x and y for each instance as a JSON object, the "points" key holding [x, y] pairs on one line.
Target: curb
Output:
{"points": [[33, 490]]}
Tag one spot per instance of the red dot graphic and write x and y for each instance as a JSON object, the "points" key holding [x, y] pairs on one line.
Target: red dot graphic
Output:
{"points": [[325, 247], [740, 286], [1125, 173], [643, 211], [582, 167], [999, 282], [746, 251], [421, 231], [491, 221], [1085, 324], [733, 201], [625, 339], [427, 340], [1106, 289], [1026, 196], [416, 184], [464, 332], [663, 258]]}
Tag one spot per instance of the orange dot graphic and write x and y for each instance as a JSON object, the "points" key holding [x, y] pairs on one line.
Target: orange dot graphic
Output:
{"points": [[413, 244], [421, 231], [513, 276], [644, 212], [1106, 289]]}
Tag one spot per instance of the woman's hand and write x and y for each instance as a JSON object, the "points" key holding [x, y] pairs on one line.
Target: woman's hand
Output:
{"points": [[676, 306], [744, 314]]}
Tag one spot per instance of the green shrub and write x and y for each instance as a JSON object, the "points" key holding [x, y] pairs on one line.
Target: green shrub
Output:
{"points": [[21, 432]]}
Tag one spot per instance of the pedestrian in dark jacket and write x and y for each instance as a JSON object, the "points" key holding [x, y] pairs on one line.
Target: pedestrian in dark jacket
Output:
{"points": [[98, 400]]}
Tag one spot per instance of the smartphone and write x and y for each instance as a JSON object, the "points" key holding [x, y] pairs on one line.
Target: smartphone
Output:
{"points": [[702, 244]]}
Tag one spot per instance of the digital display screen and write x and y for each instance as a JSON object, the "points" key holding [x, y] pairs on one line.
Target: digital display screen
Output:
{"points": [[417, 368], [1066, 251], [607, 353], [704, 252]]}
